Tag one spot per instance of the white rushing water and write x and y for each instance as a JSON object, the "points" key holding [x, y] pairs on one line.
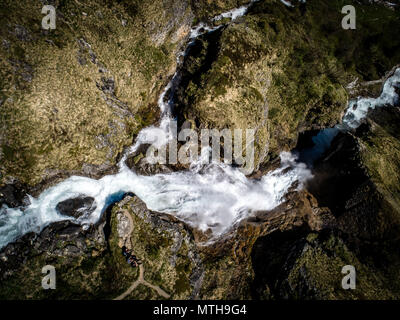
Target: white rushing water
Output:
{"points": [[212, 198], [209, 195]]}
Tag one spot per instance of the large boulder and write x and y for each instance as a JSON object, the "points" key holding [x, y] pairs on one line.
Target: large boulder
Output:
{"points": [[13, 195], [76, 207]]}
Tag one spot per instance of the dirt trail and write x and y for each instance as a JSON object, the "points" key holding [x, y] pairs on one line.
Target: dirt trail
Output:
{"points": [[141, 280], [125, 239]]}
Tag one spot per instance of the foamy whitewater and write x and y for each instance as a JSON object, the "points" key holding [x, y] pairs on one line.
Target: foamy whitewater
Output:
{"points": [[209, 195]]}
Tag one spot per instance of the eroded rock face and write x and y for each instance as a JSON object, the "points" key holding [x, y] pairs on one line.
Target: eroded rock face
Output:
{"points": [[76, 207]]}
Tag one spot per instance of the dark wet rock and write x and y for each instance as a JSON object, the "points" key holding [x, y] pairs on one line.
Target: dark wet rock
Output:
{"points": [[138, 163], [13, 195], [76, 207], [397, 90], [340, 166]]}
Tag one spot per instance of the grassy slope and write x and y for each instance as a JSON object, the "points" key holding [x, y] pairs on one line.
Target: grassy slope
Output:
{"points": [[59, 119]]}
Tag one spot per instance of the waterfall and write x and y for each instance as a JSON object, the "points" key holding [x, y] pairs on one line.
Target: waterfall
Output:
{"points": [[212, 196]]}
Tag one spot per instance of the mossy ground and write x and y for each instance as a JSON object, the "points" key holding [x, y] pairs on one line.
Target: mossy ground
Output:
{"points": [[164, 252], [97, 274], [53, 114], [320, 265], [380, 152]]}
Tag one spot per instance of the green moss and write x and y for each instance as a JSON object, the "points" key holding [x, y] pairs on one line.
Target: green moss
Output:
{"points": [[380, 154], [55, 116], [165, 258], [319, 267], [9, 152], [182, 284]]}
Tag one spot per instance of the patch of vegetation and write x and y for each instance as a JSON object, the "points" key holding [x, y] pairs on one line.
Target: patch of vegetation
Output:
{"points": [[165, 257], [54, 114]]}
